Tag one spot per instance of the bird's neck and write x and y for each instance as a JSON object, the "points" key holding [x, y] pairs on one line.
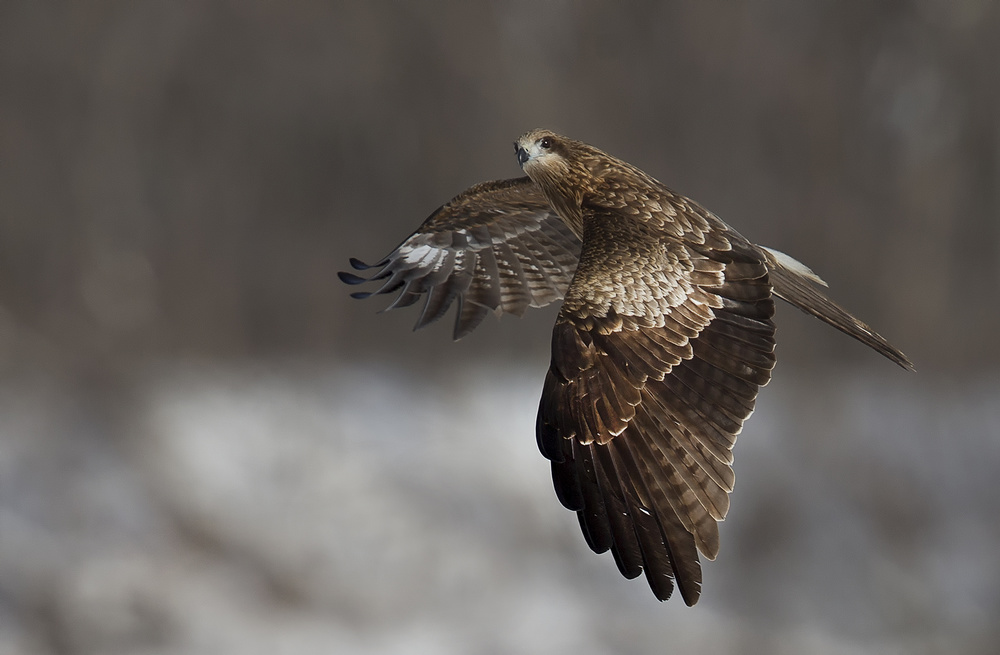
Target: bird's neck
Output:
{"points": [[570, 211]]}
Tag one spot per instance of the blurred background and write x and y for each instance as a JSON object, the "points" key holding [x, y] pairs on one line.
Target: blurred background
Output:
{"points": [[207, 447]]}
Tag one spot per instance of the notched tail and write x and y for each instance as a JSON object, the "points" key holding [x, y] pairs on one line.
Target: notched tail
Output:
{"points": [[798, 289]]}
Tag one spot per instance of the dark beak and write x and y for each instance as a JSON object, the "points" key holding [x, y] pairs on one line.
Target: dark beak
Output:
{"points": [[522, 156]]}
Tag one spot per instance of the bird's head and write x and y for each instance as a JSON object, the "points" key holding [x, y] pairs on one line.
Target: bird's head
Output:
{"points": [[542, 152], [560, 167]]}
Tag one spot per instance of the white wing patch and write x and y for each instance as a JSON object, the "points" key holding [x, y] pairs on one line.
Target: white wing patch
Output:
{"points": [[419, 256]]}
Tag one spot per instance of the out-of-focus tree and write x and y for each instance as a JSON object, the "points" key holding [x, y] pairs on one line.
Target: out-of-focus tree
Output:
{"points": [[186, 179]]}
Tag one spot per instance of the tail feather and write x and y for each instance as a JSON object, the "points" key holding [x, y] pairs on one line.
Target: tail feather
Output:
{"points": [[796, 288]]}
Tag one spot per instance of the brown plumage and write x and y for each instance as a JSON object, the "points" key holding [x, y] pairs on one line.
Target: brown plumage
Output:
{"points": [[662, 343]]}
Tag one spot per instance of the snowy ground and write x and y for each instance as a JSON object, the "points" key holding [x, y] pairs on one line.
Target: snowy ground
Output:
{"points": [[284, 509]]}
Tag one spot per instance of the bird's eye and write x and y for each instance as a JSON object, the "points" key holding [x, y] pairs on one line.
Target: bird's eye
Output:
{"points": [[546, 143]]}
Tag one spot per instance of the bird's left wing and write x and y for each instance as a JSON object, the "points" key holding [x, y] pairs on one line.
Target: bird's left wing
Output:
{"points": [[497, 247]]}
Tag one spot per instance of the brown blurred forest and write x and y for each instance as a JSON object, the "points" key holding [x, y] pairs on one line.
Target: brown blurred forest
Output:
{"points": [[185, 179], [207, 446]]}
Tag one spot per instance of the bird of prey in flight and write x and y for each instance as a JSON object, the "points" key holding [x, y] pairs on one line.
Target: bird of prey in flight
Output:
{"points": [[663, 340]]}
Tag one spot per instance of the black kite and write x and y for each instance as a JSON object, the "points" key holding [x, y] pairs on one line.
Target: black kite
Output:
{"points": [[662, 343]]}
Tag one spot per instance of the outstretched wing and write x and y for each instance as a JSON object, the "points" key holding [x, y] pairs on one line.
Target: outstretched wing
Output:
{"points": [[496, 247], [657, 357]]}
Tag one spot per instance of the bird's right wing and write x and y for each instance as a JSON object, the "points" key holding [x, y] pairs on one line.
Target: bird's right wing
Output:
{"points": [[657, 356], [497, 246]]}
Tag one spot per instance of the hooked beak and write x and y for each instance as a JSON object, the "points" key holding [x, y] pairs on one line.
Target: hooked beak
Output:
{"points": [[522, 156]]}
